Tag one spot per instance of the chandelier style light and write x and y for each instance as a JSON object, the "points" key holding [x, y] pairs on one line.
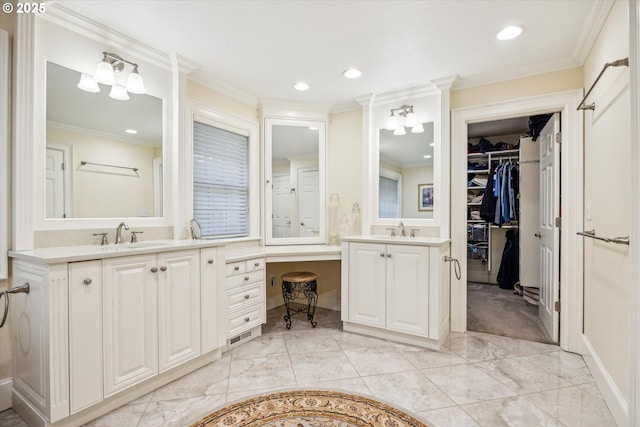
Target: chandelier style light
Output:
{"points": [[106, 74], [403, 117]]}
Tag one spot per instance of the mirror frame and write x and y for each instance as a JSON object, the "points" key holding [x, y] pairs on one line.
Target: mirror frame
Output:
{"points": [[79, 37], [375, 113], [269, 122]]}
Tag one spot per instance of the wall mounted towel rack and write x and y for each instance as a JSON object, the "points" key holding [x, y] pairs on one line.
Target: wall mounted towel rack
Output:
{"points": [[592, 234], [82, 163], [24, 289], [619, 63]]}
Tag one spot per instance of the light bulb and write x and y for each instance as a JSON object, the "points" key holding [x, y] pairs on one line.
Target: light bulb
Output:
{"points": [[104, 73], [411, 120], [418, 128], [88, 84], [399, 131], [392, 122], [119, 92], [135, 83]]}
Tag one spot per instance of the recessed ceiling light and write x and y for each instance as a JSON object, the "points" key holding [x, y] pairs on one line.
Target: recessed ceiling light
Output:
{"points": [[301, 86], [427, 156], [509, 33], [432, 144], [352, 73], [313, 127], [131, 131]]}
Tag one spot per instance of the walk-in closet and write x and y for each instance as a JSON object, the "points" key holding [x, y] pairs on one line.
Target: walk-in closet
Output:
{"points": [[503, 221]]}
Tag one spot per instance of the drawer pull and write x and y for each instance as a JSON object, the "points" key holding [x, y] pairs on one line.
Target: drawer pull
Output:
{"points": [[87, 281], [257, 264], [388, 255], [246, 279], [246, 297], [163, 268], [210, 261], [246, 319], [154, 270], [236, 268], [381, 255]]}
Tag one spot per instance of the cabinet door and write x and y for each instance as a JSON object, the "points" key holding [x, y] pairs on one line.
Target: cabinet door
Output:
{"points": [[210, 268], [408, 289], [367, 283], [178, 307], [85, 334], [130, 321]]}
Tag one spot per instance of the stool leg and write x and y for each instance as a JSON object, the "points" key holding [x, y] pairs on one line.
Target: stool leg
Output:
{"points": [[312, 299], [286, 296]]}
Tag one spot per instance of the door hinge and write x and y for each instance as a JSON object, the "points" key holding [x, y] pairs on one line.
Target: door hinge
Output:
{"points": [[559, 137], [557, 306], [558, 221], [62, 166]]}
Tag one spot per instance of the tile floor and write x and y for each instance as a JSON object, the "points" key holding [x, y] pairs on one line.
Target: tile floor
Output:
{"points": [[478, 380]]}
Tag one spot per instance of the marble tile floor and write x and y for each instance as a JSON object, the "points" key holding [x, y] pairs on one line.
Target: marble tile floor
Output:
{"points": [[477, 380]]}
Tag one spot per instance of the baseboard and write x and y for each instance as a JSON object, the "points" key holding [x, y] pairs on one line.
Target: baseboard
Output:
{"points": [[618, 406], [6, 387]]}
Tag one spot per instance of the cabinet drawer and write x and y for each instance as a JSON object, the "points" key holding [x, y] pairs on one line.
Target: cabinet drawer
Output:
{"points": [[245, 320], [245, 279], [244, 297], [240, 267], [255, 264]]}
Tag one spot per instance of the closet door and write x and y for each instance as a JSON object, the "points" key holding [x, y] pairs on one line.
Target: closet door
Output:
{"points": [[549, 234]]}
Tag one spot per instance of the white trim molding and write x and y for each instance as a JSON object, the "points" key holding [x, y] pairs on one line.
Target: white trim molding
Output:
{"points": [[5, 134], [571, 262]]}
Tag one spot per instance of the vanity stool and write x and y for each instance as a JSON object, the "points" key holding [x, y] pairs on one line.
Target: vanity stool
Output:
{"points": [[292, 284]]}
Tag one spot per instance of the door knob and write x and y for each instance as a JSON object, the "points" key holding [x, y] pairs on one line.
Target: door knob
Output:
{"points": [[87, 281], [538, 235]]}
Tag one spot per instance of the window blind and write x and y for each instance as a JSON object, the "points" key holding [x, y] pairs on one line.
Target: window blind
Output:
{"points": [[220, 181], [388, 198]]}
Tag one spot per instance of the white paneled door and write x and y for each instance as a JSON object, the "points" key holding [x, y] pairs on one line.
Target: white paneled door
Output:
{"points": [[309, 202], [54, 179], [281, 206], [549, 233]]}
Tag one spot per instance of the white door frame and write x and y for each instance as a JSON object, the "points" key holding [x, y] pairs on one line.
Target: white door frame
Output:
{"points": [[69, 185], [634, 257], [571, 262]]}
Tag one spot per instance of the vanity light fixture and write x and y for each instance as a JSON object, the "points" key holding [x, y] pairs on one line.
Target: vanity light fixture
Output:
{"points": [[301, 86], [509, 33], [106, 74], [401, 117]]}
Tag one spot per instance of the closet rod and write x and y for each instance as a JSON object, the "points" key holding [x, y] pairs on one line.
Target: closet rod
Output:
{"points": [[529, 161], [592, 234], [619, 63], [82, 163]]}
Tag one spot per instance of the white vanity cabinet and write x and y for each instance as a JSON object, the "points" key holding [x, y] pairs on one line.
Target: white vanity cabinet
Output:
{"points": [[396, 289], [93, 334], [245, 296]]}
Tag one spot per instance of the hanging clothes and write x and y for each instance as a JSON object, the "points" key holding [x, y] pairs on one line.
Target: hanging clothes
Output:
{"points": [[509, 272], [500, 204]]}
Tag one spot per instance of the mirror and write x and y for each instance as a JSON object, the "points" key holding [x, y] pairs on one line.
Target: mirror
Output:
{"points": [[295, 170], [95, 165], [405, 174]]}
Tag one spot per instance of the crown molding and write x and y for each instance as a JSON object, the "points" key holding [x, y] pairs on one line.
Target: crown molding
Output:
{"points": [[91, 29], [591, 28], [280, 108], [345, 107], [400, 95], [224, 88], [513, 74], [102, 134]]}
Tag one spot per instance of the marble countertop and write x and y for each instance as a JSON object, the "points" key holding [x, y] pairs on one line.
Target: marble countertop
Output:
{"points": [[417, 241]]}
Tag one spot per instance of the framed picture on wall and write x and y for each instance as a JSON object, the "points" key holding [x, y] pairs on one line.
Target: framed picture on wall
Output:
{"points": [[425, 197]]}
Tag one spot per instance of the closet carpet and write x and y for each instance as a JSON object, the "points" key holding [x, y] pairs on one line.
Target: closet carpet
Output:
{"points": [[501, 312]]}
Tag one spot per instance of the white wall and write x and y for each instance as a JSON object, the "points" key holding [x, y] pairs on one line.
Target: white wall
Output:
{"points": [[411, 178], [607, 180]]}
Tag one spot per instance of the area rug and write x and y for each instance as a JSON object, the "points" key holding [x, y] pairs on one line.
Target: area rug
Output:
{"points": [[309, 408]]}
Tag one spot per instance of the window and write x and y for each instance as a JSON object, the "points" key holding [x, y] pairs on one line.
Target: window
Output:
{"points": [[220, 181], [389, 194]]}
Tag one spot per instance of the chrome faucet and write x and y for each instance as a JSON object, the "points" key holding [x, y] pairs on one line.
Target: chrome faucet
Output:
{"points": [[402, 233], [119, 232]]}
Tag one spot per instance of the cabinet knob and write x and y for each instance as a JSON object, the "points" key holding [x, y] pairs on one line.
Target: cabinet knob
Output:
{"points": [[246, 297], [381, 255], [154, 270], [388, 255], [257, 264], [87, 281], [163, 268], [246, 319], [210, 261], [246, 279]]}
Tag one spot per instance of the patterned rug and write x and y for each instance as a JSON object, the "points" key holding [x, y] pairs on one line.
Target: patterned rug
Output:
{"points": [[308, 408]]}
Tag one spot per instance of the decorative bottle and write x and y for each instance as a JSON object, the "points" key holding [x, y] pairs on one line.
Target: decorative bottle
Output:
{"points": [[356, 221], [334, 219], [344, 225]]}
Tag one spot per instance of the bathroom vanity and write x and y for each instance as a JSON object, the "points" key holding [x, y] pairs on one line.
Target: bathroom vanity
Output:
{"points": [[103, 325], [396, 288]]}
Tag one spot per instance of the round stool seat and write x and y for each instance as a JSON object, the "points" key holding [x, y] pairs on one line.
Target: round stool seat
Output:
{"points": [[299, 277]]}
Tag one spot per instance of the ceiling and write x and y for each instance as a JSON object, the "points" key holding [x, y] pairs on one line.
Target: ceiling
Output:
{"points": [[256, 50]]}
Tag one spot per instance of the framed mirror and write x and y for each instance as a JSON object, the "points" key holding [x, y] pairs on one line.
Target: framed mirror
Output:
{"points": [[104, 157], [295, 181], [405, 174]]}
